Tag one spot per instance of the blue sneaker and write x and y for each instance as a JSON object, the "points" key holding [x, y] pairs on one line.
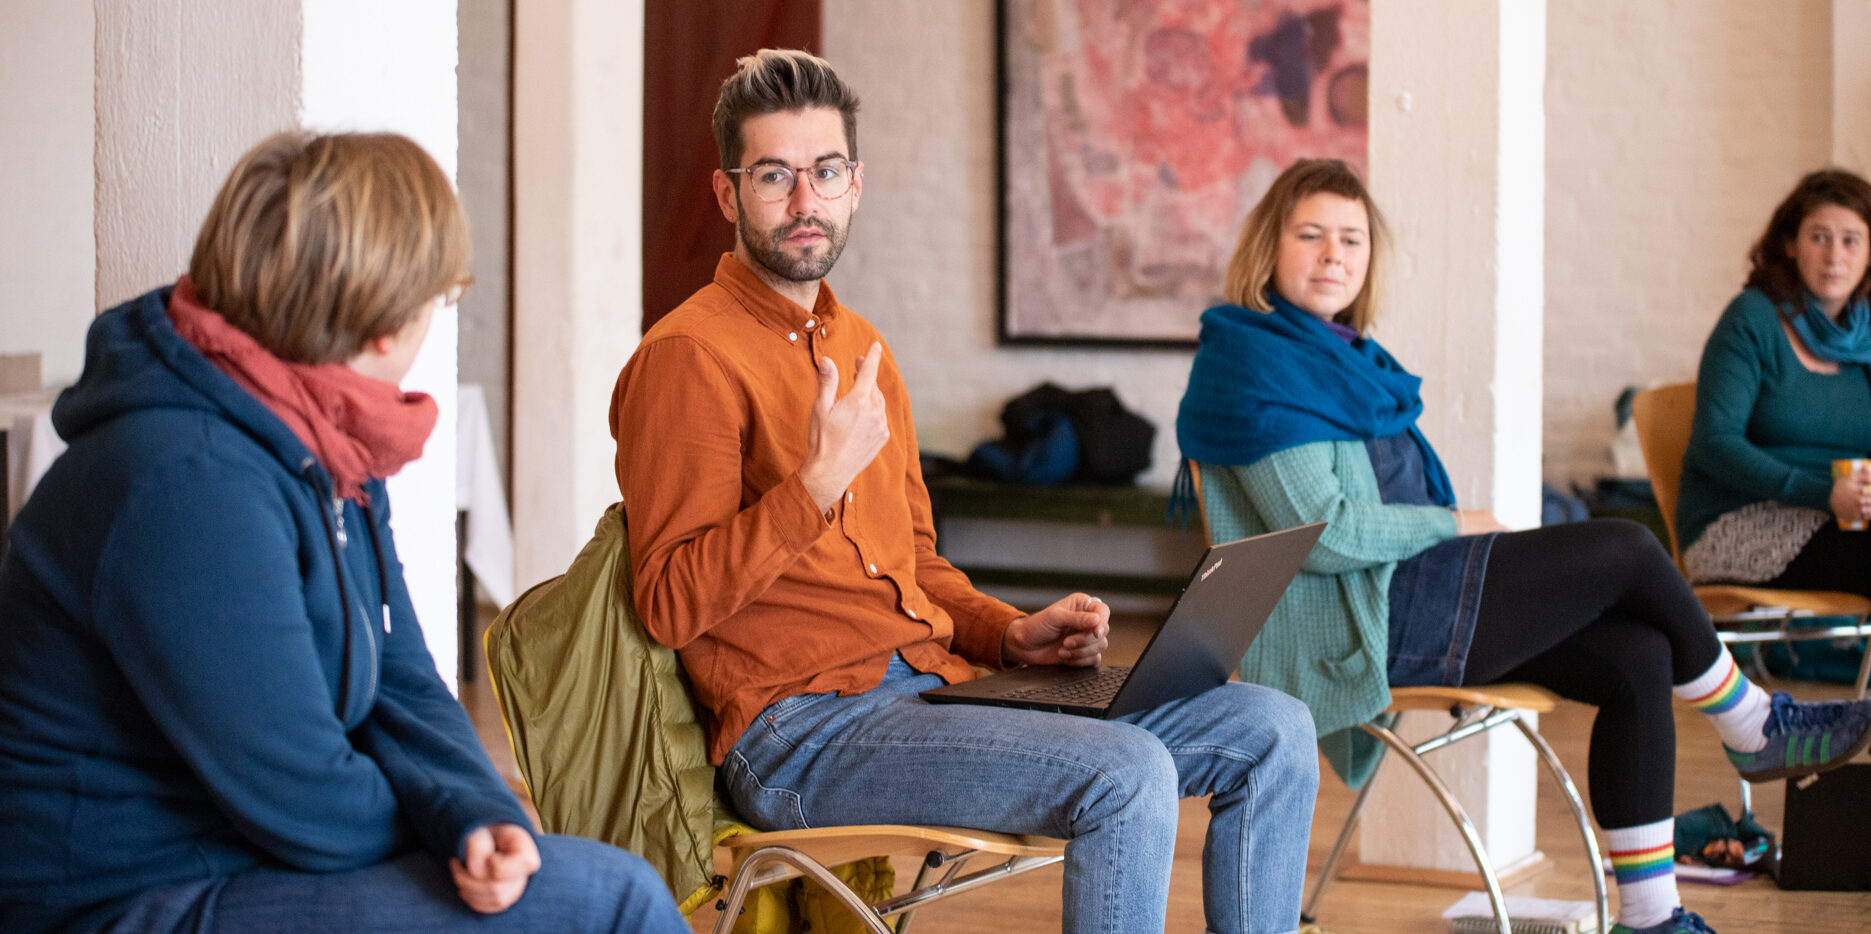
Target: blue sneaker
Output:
{"points": [[1680, 922], [1803, 739]]}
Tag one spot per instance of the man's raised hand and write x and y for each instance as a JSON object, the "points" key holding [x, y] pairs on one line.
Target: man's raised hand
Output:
{"points": [[845, 434]]}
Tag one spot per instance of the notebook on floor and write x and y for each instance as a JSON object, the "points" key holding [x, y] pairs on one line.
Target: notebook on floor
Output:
{"points": [[1227, 600]]}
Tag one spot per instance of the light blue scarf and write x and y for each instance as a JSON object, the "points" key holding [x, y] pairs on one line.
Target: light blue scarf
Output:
{"points": [[1829, 339]]}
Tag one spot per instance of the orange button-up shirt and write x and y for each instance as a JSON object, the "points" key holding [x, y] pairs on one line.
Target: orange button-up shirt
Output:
{"points": [[761, 594]]}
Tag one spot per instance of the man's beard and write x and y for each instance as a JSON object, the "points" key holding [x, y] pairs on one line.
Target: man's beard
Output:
{"points": [[770, 252]]}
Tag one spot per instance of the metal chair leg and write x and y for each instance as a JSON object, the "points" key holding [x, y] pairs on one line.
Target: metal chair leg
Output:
{"points": [[1449, 803], [1338, 846], [1864, 667], [951, 867], [747, 876], [1564, 780]]}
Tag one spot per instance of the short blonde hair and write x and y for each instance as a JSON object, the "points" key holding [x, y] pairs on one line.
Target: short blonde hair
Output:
{"points": [[317, 245], [1250, 271]]}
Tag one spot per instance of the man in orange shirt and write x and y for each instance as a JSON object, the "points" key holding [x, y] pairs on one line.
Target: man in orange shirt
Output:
{"points": [[781, 541]]}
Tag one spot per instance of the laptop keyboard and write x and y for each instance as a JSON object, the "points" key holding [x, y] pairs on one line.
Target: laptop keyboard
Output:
{"points": [[1091, 692]]}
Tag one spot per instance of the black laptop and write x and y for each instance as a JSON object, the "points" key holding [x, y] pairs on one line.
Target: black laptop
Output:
{"points": [[1227, 600]]}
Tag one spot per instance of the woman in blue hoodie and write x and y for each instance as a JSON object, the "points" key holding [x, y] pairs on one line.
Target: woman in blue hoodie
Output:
{"points": [[217, 712]]}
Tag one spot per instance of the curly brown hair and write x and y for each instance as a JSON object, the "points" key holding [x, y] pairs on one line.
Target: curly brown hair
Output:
{"points": [[1773, 270]]}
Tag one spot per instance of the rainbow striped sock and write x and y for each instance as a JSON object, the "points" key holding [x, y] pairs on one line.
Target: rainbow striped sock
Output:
{"points": [[1737, 707], [1643, 860]]}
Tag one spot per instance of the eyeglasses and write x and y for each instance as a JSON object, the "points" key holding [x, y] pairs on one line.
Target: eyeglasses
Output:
{"points": [[771, 181]]}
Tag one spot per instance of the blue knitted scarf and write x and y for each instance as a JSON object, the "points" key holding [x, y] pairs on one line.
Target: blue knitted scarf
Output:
{"points": [[1847, 340], [1267, 382]]}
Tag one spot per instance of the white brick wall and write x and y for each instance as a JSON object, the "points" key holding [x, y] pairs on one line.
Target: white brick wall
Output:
{"points": [[921, 261], [1673, 128]]}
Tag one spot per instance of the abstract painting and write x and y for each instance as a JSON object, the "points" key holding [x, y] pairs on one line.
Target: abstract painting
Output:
{"points": [[1135, 137]]}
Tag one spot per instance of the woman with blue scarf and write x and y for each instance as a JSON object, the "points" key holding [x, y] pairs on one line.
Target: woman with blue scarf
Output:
{"points": [[1296, 415], [1784, 390]]}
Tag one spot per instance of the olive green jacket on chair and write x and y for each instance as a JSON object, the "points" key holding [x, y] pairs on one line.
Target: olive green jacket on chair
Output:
{"points": [[606, 732]]}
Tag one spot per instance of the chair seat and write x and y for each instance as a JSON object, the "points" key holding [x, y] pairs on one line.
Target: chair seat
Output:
{"points": [[1509, 696], [834, 845], [1728, 600]]}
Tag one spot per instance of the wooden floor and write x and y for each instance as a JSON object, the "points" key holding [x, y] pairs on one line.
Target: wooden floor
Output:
{"points": [[1031, 902]]}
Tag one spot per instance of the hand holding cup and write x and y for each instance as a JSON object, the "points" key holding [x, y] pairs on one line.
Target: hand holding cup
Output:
{"points": [[1851, 492]]}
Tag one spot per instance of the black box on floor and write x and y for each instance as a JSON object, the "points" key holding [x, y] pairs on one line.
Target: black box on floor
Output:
{"points": [[1826, 845]]}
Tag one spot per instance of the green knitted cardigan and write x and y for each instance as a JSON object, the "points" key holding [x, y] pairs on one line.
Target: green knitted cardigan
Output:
{"points": [[1327, 641]]}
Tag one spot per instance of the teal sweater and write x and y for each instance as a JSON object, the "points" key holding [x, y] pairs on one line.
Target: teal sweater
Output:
{"points": [[1328, 638], [1766, 427]]}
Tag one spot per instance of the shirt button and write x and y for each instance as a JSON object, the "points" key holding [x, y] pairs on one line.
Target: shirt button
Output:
{"points": [[792, 335], [911, 612], [810, 322], [847, 496], [873, 569]]}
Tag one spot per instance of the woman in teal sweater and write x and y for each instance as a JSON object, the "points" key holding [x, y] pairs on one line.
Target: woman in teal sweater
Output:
{"points": [[1297, 416], [1784, 390]]}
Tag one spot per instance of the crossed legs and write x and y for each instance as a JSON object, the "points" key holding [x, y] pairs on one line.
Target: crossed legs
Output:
{"points": [[1108, 787]]}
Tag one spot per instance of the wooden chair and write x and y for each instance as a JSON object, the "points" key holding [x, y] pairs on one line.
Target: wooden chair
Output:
{"points": [[592, 705], [1742, 614], [1472, 712], [761, 859]]}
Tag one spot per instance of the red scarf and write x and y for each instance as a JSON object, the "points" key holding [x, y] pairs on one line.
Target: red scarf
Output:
{"points": [[359, 427]]}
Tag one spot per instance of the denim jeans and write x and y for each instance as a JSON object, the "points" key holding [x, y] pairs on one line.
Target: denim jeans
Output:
{"points": [[581, 886], [1108, 786]]}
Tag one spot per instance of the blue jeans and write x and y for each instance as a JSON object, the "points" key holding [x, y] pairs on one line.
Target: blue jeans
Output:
{"points": [[1108, 786], [581, 886]]}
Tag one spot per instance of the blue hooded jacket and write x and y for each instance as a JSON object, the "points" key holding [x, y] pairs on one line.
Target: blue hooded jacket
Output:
{"points": [[206, 663]]}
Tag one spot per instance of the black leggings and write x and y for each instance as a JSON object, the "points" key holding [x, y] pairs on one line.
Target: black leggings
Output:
{"points": [[1831, 560], [1596, 612]]}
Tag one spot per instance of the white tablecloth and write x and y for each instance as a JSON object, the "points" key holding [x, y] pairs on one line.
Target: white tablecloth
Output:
{"points": [[480, 493], [31, 444]]}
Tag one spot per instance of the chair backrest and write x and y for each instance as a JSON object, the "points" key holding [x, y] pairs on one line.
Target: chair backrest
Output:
{"points": [[1663, 416], [603, 727], [1201, 503]]}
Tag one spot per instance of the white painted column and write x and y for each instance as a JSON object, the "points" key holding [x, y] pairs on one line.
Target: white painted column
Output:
{"points": [[174, 112], [1457, 164], [578, 158], [1851, 85], [374, 66], [47, 257]]}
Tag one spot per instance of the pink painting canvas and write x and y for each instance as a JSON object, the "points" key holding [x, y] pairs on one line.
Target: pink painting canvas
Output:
{"points": [[1137, 134]]}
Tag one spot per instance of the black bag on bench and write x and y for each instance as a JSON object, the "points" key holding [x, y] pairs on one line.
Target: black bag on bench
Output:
{"points": [[1056, 435]]}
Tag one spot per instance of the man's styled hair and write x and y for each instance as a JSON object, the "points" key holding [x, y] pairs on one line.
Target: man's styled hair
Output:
{"points": [[317, 245], [1772, 271], [1250, 272], [776, 81]]}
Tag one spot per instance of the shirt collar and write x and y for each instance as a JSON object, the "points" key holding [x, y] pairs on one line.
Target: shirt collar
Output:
{"points": [[779, 314]]}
